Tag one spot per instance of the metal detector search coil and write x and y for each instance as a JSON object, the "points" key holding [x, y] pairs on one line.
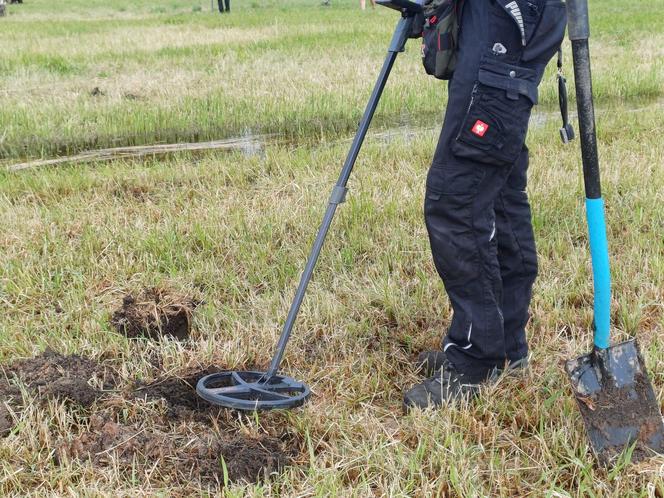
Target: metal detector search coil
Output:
{"points": [[269, 390], [251, 391]]}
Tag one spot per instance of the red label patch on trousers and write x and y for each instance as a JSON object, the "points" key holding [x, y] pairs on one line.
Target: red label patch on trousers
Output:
{"points": [[479, 128]]}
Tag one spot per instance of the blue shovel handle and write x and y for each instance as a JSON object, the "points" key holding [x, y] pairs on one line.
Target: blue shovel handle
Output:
{"points": [[579, 32], [599, 253]]}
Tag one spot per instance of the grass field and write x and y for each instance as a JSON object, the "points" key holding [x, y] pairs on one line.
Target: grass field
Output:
{"points": [[232, 229]]}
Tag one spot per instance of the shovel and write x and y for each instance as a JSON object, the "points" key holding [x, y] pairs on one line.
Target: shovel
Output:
{"points": [[611, 385]]}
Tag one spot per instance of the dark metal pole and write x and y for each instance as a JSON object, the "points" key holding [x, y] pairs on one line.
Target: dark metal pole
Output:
{"points": [[579, 31], [338, 195], [585, 107]]}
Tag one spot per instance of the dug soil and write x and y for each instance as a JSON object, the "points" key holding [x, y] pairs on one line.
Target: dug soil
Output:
{"points": [[155, 313], [612, 413], [182, 455], [52, 375], [179, 395], [160, 427]]}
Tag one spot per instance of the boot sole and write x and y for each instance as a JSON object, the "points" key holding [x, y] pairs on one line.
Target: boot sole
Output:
{"points": [[514, 368]]}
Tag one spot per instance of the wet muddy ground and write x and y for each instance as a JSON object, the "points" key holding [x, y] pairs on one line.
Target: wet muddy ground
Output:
{"points": [[184, 438]]}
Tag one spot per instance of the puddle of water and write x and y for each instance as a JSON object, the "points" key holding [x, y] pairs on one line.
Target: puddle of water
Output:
{"points": [[249, 145], [539, 120], [252, 145], [405, 133]]}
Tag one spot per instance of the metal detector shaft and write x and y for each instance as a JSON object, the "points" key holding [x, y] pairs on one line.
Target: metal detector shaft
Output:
{"points": [[338, 195]]}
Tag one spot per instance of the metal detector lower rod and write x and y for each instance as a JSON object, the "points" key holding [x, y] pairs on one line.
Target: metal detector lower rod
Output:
{"points": [[339, 192]]}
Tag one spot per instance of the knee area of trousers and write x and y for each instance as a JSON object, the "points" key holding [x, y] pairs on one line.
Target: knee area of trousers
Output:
{"points": [[449, 213]]}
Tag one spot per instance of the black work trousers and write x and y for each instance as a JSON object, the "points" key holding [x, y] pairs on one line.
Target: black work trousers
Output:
{"points": [[221, 5], [476, 208]]}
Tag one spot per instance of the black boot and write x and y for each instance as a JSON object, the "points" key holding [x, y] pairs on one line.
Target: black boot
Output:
{"points": [[447, 385], [428, 362]]}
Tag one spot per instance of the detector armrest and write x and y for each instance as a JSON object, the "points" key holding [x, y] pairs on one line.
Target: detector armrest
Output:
{"points": [[404, 6]]}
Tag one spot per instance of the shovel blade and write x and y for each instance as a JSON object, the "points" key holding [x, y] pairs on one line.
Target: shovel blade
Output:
{"points": [[617, 402]]}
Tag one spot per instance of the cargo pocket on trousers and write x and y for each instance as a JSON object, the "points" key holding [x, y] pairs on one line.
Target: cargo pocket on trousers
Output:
{"points": [[449, 222], [495, 126]]}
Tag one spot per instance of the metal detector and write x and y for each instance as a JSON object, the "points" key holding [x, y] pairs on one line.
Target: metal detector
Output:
{"points": [[250, 390], [611, 385]]}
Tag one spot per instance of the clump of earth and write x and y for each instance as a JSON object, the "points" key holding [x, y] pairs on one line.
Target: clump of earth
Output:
{"points": [[70, 378], [154, 313], [199, 455], [179, 395], [610, 412], [190, 441]]}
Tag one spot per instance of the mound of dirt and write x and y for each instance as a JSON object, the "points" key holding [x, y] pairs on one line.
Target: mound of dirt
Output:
{"points": [[107, 440], [193, 441], [250, 459], [180, 396], [155, 313], [245, 458], [10, 398], [52, 375], [8, 391], [64, 377], [187, 456], [6, 422]]}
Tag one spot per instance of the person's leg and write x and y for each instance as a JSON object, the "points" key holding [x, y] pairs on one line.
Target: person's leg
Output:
{"points": [[460, 219], [461, 223], [363, 4], [517, 257], [221, 5], [500, 64], [228, 5]]}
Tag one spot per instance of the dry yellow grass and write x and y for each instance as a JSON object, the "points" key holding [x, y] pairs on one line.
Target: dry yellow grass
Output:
{"points": [[233, 228]]}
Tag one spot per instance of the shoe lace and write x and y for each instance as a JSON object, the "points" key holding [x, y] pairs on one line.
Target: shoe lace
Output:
{"points": [[448, 375], [444, 374]]}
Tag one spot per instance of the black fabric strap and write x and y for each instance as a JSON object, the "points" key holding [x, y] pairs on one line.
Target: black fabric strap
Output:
{"points": [[566, 130]]}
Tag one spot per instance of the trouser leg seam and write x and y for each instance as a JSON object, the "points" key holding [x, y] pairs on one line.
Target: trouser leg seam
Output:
{"points": [[522, 257]]}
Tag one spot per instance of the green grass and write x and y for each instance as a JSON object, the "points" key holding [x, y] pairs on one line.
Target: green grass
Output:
{"points": [[234, 228], [169, 74]]}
